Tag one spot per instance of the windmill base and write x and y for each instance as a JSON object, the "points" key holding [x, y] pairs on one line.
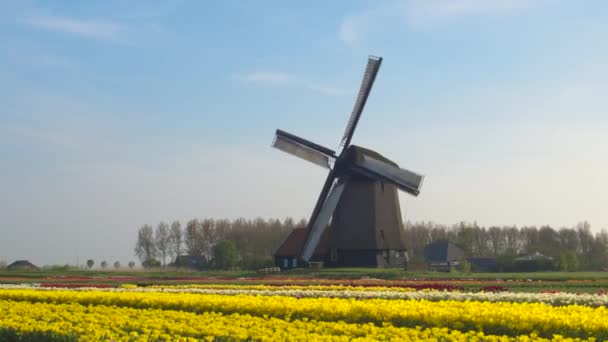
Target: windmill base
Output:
{"points": [[371, 258], [366, 228]]}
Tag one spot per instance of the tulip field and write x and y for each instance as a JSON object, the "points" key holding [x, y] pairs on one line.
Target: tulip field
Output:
{"points": [[295, 312]]}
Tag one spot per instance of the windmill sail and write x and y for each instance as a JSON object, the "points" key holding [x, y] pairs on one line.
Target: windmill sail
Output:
{"points": [[406, 180], [303, 148], [373, 65], [321, 221]]}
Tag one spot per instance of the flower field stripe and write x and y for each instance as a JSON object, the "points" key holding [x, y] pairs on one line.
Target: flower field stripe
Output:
{"points": [[279, 288], [498, 318], [555, 299], [71, 322]]}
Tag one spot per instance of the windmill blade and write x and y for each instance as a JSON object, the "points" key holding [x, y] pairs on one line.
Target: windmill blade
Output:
{"points": [[321, 221], [327, 186], [303, 148], [373, 65], [406, 180]]}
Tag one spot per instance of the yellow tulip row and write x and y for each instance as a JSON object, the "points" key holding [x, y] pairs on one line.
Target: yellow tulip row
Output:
{"points": [[71, 322], [493, 318]]}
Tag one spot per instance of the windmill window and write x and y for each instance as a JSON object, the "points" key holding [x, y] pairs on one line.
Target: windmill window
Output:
{"points": [[285, 263], [294, 262]]}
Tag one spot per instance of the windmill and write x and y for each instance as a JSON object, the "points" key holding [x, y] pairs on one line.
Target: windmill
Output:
{"points": [[359, 195]]}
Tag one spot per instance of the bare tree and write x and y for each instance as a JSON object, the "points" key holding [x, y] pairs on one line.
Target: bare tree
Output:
{"points": [[161, 239], [496, 240], [175, 239], [194, 238], [104, 264], [208, 237], [145, 248], [116, 264], [90, 263], [131, 264]]}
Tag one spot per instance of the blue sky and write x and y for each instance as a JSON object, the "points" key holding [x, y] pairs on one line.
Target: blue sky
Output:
{"points": [[119, 113]]}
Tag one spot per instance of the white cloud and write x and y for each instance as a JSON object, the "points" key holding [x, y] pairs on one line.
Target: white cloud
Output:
{"points": [[283, 78], [273, 77], [348, 32], [327, 90], [86, 28], [428, 9], [421, 14]]}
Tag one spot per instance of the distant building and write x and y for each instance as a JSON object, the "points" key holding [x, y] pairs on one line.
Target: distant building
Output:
{"points": [[483, 264], [22, 265], [195, 262], [533, 256], [534, 262], [443, 255]]}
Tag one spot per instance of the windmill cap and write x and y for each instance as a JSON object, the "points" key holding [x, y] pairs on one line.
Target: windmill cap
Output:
{"points": [[356, 153]]}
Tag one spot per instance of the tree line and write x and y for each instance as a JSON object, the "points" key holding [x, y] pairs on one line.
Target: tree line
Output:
{"points": [[221, 243], [572, 248], [249, 244]]}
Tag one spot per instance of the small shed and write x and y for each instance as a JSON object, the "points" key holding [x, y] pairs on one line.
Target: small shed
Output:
{"points": [[443, 255], [196, 262], [286, 256], [22, 265]]}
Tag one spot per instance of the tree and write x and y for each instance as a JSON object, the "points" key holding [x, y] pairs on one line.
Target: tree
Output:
{"points": [[104, 264], [548, 242], [568, 261], [145, 248], [225, 254], [175, 239], [208, 236], [116, 264], [131, 264], [194, 238], [496, 240], [90, 263], [161, 239]]}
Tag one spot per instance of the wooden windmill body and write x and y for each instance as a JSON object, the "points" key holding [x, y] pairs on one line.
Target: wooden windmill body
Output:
{"points": [[357, 218]]}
